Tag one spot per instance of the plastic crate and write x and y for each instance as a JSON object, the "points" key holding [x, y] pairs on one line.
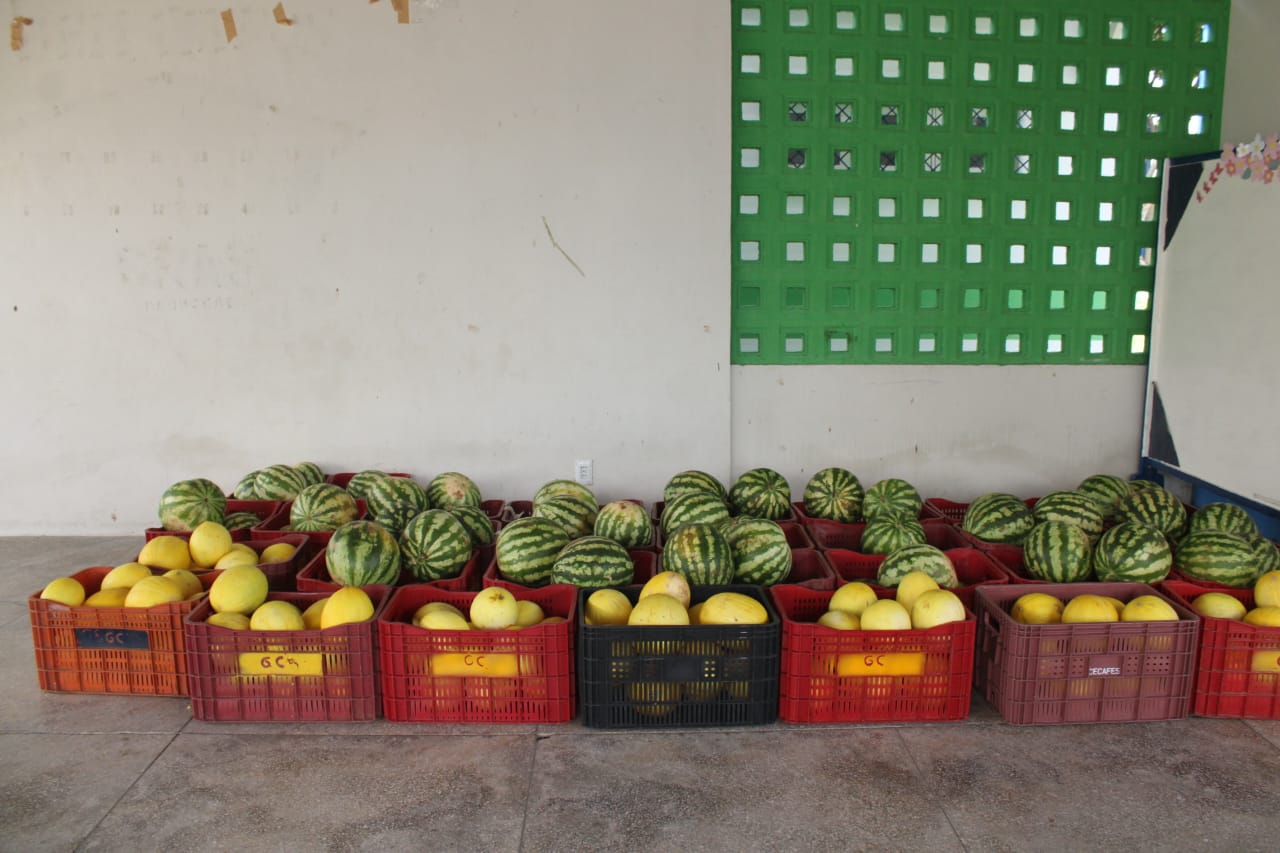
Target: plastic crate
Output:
{"points": [[973, 569], [1238, 666], [653, 676], [1009, 558], [262, 509], [497, 510], [810, 569], [315, 577], [830, 535], [1083, 673], [121, 650], [644, 560], [284, 676], [279, 523], [833, 676], [524, 676]]}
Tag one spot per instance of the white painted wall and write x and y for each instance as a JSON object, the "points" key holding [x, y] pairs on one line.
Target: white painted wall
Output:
{"points": [[1251, 102]]}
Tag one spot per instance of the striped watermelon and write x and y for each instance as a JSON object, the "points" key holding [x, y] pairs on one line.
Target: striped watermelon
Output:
{"points": [[1154, 506], [691, 508], [240, 520], [1071, 507], [310, 472], [1132, 552], [360, 482], [1218, 556], [188, 503], [1106, 490], [394, 517], [1223, 516], [247, 488], [452, 489], [626, 523], [693, 481], [761, 493], [1267, 555], [478, 524], [1139, 485], [593, 562], [700, 553], [553, 488], [278, 483], [321, 506], [835, 494], [576, 516], [761, 553], [435, 545], [361, 553], [527, 549], [998, 517], [890, 497], [934, 562], [387, 492], [889, 533], [1058, 551]]}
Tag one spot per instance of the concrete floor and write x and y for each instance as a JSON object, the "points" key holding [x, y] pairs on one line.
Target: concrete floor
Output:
{"points": [[82, 772]]}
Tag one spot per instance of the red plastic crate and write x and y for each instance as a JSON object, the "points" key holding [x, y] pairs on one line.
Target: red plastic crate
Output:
{"points": [[315, 577], [833, 676], [1009, 558], [645, 561], [524, 676], [973, 569], [496, 510], [284, 676], [1084, 673], [279, 523], [262, 509], [341, 480], [830, 535], [122, 650], [811, 569], [1238, 665]]}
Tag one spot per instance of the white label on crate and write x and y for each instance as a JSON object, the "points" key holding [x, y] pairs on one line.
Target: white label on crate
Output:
{"points": [[1104, 670], [281, 663]]}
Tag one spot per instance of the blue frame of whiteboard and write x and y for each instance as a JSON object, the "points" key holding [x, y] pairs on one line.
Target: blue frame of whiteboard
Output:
{"points": [[1192, 489]]}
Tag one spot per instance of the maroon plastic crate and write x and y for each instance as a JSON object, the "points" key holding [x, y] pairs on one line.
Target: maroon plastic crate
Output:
{"points": [[279, 523], [973, 569], [507, 676], [1009, 557], [1238, 665], [1103, 672], [833, 676], [315, 576], [645, 561], [317, 675], [830, 535], [810, 569]]}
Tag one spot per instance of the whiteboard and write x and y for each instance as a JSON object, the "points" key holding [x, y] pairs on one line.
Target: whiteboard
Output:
{"points": [[1212, 396]]}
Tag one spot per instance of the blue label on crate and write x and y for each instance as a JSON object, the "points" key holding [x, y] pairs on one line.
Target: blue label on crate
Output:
{"points": [[111, 638]]}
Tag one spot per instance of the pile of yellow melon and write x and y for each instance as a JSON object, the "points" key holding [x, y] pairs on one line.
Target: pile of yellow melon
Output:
{"points": [[127, 585], [209, 547], [918, 603], [492, 609], [238, 598], [1039, 608], [664, 600], [1266, 604]]}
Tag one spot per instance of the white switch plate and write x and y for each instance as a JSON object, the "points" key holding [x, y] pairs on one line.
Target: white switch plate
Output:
{"points": [[582, 471]]}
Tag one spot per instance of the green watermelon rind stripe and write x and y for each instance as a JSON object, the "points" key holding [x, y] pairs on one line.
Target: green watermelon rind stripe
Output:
{"points": [[361, 553], [188, 503], [593, 562], [320, 507], [1058, 552], [926, 558], [889, 534], [1132, 553], [435, 545], [834, 494], [692, 508], [700, 553], [1217, 556], [891, 497], [626, 523], [527, 548], [693, 481], [761, 553]]}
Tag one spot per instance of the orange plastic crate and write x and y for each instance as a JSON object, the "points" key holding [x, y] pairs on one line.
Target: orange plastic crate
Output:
{"points": [[1238, 665], [833, 676], [122, 650], [973, 569], [284, 676], [524, 676], [1084, 673], [314, 576], [645, 561]]}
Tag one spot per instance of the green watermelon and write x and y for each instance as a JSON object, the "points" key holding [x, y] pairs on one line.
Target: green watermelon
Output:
{"points": [[361, 481], [247, 488], [1267, 554], [240, 520], [575, 515], [188, 503], [926, 558], [452, 489], [692, 508], [387, 492], [1218, 556], [761, 493], [700, 553], [1132, 552], [321, 506], [278, 483], [478, 524], [394, 517], [554, 488], [310, 472], [1223, 516], [1072, 507], [527, 549], [1154, 506], [889, 533], [890, 497], [435, 545], [626, 523], [693, 481], [998, 517], [361, 553], [835, 494], [761, 553], [1106, 490], [1058, 551], [593, 562]]}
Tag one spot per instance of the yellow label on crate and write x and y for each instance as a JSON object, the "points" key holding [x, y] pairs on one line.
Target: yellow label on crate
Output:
{"points": [[281, 663], [887, 663], [475, 665], [1266, 660]]}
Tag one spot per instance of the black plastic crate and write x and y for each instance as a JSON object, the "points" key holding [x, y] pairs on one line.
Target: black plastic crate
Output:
{"points": [[679, 675]]}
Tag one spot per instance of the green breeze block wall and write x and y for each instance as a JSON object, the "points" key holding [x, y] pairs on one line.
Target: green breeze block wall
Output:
{"points": [[955, 182]]}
